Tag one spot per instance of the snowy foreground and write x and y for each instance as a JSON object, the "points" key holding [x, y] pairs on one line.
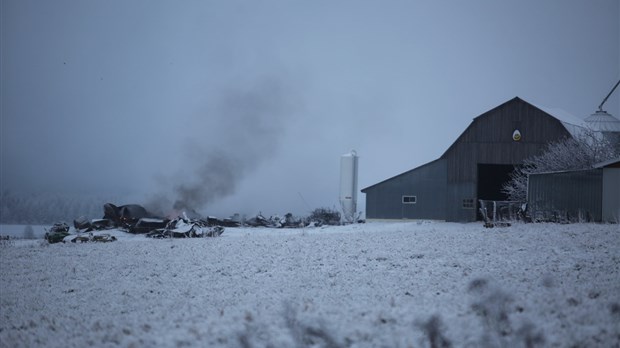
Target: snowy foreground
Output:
{"points": [[408, 284]]}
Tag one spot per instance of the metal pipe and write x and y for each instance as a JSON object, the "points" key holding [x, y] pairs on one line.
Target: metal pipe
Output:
{"points": [[600, 107]]}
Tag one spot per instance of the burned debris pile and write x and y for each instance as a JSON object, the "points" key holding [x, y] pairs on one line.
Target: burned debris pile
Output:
{"points": [[319, 217], [136, 219], [288, 221], [325, 216], [57, 232], [60, 232], [185, 228]]}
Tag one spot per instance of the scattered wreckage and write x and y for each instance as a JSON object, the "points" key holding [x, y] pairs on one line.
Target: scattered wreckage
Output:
{"points": [[136, 219], [60, 232], [319, 217], [57, 232], [185, 228]]}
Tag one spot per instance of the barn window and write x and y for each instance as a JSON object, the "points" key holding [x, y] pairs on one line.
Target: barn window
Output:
{"points": [[468, 203], [409, 199]]}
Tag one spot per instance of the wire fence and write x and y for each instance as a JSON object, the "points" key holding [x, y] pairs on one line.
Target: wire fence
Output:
{"points": [[502, 211]]}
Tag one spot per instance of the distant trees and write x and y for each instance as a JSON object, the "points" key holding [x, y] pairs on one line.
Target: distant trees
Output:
{"points": [[582, 151], [47, 208], [325, 216]]}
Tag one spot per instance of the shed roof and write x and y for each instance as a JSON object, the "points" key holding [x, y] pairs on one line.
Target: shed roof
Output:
{"points": [[401, 174], [614, 162], [610, 163]]}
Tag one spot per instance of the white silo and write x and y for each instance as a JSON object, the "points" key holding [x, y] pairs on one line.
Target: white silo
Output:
{"points": [[348, 186]]}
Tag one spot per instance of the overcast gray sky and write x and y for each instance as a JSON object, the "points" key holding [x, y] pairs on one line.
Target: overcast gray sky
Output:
{"points": [[247, 106]]}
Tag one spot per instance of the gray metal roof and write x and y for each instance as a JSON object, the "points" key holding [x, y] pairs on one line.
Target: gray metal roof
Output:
{"points": [[401, 174], [607, 163], [573, 124], [599, 121]]}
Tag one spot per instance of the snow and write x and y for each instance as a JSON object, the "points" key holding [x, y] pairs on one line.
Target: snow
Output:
{"points": [[151, 220], [562, 115], [362, 285], [573, 124]]}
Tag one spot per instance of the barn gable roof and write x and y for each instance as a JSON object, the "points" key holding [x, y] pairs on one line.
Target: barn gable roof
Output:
{"points": [[571, 123]]}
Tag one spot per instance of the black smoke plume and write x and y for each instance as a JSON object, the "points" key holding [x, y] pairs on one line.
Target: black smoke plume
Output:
{"points": [[246, 125]]}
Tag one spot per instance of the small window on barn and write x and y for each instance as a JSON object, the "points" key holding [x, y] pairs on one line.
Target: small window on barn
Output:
{"points": [[409, 199], [468, 203]]}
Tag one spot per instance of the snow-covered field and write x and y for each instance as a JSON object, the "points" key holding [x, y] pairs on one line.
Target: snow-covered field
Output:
{"points": [[378, 284]]}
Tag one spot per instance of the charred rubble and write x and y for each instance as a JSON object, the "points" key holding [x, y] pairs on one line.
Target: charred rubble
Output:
{"points": [[136, 219], [186, 228], [57, 232], [318, 217], [60, 232]]}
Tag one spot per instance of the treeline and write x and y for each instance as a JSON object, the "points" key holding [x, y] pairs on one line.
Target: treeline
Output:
{"points": [[48, 208]]}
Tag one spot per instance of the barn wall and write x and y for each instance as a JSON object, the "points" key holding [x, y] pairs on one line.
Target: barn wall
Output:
{"points": [[456, 193], [566, 194], [611, 195], [427, 183]]}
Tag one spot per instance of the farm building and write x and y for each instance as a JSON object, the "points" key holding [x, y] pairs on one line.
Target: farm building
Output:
{"points": [[581, 195], [474, 167]]}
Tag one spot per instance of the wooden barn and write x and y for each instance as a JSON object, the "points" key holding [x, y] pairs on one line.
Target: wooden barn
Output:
{"points": [[474, 167]]}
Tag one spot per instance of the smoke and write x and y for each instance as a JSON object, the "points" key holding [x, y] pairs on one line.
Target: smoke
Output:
{"points": [[217, 177], [242, 129]]}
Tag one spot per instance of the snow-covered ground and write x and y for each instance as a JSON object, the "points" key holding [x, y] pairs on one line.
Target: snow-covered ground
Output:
{"points": [[368, 285]]}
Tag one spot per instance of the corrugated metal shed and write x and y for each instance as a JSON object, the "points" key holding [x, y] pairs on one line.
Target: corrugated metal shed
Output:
{"points": [[611, 190], [571, 196], [592, 195]]}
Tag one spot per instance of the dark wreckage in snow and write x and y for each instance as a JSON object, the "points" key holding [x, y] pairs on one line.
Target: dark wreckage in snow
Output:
{"points": [[134, 218]]}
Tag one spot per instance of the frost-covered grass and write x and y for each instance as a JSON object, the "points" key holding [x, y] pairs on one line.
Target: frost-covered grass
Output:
{"points": [[376, 284]]}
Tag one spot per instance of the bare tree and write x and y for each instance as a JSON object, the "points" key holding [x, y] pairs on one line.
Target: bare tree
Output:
{"points": [[581, 151]]}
